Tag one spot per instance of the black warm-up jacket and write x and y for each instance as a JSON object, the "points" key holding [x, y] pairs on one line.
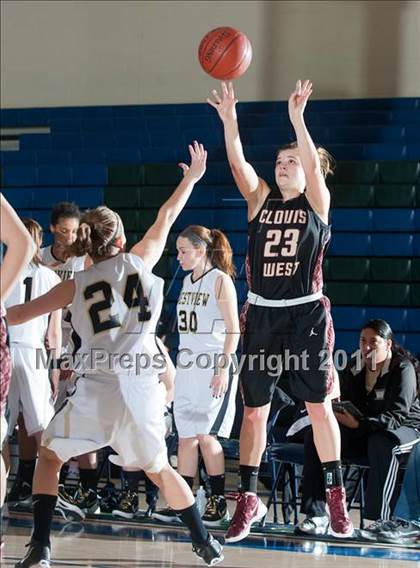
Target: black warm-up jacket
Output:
{"points": [[392, 403]]}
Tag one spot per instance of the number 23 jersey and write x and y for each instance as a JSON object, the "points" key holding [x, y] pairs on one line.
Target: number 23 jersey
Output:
{"points": [[287, 243], [114, 314], [201, 325]]}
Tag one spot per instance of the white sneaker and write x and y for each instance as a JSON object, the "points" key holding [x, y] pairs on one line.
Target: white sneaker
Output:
{"points": [[313, 526]]}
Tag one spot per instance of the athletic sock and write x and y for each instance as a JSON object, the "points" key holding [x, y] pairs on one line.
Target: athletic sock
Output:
{"points": [[249, 478], [63, 473], [217, 484], [131, 480], [333, 475], [191, 518], [26, 471], [151, 490], [43, 507], [88, 479]]}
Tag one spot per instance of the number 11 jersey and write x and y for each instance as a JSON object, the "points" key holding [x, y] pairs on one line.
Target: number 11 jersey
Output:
{"points": [[287, 244], [201, 325], [114, 314]]}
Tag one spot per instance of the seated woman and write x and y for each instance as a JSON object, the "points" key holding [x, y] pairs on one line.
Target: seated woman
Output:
{"points": [[383, 384]]}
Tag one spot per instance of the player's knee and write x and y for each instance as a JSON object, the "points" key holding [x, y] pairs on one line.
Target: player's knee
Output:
{"points": [[318, 411], [256, 415], [205, 440], [49, 456], [187, 443], [157, 467]]}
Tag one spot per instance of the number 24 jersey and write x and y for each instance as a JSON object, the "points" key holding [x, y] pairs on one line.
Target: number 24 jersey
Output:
{"points": [[114, 314]]}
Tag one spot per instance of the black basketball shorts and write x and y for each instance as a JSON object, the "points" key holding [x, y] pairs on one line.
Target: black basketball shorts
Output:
{"points": [[296, 339]]}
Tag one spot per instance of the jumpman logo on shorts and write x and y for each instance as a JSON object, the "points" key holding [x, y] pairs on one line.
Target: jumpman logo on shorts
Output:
{"points": [[312, 332]]}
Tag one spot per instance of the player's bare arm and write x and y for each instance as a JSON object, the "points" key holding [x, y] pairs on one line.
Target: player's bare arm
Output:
{"points": [[316, 188], [58, 297], [54, 335], [151, 247], [252, 188], [20, 247]]}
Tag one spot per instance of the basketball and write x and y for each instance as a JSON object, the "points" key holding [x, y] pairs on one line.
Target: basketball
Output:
{"points": [[225, 53]]}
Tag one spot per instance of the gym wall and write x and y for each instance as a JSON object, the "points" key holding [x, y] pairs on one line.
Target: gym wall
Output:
{"points": [[67, 53]]}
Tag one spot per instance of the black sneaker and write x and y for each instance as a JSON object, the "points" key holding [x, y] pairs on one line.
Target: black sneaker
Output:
{"points": [[67, 507], [167, 515], [109, 498], [128, 505], [87, 500], [37, 555], [211, 552], [151, 508], [19, 494], [399, 531], [216, 513]]}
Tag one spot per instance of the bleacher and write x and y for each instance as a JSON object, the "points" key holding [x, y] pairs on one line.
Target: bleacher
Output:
{"points": [[126, 156]]}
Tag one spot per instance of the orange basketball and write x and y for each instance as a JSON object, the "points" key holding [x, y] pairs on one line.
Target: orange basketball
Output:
{"points": [[225, 53]]}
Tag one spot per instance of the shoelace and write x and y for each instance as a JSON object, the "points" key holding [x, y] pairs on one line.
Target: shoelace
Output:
{"points": [[67, 496], [399, 523], [379, 524], [337, 504], [81, 495], [126, 500], [211, 507], [240, 513]]}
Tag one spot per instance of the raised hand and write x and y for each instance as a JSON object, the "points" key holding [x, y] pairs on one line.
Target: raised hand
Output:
{"points": [[298, 100], [198, 162], [225, 104]]}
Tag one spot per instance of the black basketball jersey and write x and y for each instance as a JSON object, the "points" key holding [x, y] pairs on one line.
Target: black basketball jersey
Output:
{"points": [[286, 247]]}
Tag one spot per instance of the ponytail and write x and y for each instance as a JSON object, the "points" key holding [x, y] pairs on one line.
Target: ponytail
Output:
{"points": [[96, 235], [400, 350], [220, 253], [83, 243]]}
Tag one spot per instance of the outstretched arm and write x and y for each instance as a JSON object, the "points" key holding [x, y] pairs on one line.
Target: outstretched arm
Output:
{"points": [[316, 188], [20, 247], [57, 298], [249, 184], [151, 247]]}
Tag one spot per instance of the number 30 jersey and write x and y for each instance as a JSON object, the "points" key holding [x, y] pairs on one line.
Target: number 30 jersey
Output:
{"points": [[114, 314], [200, 322], [286, 247]]}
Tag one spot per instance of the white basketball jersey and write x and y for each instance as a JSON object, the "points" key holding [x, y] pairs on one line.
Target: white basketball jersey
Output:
{"points": [[64, 270], [34, 282], [201, 325], [115, 311]]}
